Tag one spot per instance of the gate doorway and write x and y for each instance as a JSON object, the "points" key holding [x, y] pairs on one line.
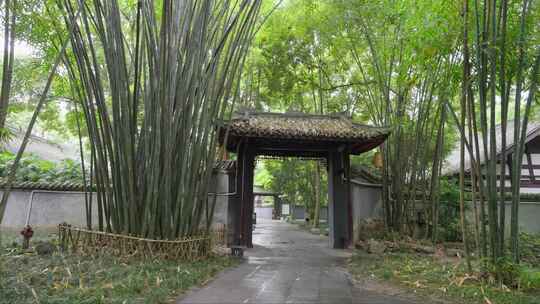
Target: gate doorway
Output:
{"points": [[259, 195], [330, 137], [293, 189]]}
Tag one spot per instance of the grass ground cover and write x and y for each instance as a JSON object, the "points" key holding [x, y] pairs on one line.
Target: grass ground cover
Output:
{"points": [[67, 278], [445, 278], [12, 237]]}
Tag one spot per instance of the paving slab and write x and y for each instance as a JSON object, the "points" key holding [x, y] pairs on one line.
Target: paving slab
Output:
{"points": [[287, 265]]}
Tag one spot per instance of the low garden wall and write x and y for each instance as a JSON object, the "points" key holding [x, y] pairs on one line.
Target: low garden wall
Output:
{"points": [[46, 208], [47, 205], [264, 212], [529, 216]]}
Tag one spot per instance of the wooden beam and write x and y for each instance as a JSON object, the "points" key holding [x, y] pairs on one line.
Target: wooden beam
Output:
{"points": [[523, 177], [531, 166], [509, 163], [529, 163]]}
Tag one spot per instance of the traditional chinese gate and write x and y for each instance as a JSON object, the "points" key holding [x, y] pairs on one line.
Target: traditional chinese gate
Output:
{"points": [[331, 137]]}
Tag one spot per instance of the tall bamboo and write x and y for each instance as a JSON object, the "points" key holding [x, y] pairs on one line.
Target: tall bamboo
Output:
{"points": [[464, 94], [494, 80], [153, 106], [8, 58], [504, 93]]}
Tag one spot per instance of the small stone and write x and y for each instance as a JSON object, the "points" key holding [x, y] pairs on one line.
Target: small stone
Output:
{"points": [[376, 247], [454, 253], [44, 248], [361, 245], [440, 251]]}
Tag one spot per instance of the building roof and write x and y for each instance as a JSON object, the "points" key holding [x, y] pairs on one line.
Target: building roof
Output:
{"points": [[46, 186], [364, 173], [41, 147], [452, 162], [301, 127]]}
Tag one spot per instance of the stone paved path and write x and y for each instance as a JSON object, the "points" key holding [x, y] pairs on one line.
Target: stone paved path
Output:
{"points": [[287, 265]]}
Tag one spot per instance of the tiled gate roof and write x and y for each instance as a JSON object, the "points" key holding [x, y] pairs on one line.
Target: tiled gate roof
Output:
{"points": [[302, 126], [279, 128]]}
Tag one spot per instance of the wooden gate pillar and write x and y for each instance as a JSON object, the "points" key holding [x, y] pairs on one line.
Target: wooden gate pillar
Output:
{"points": [[246, 161], [240, 208], [234, 206], [339, 208], [277, 207]]}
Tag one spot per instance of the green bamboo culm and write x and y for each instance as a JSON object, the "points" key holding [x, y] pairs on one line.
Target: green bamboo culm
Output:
{"points": [[495, 77], [153, 81]]}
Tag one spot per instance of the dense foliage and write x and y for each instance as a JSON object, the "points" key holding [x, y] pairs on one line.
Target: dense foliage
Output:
{"points": [[34, 169], [295, 180], [375, 62]]}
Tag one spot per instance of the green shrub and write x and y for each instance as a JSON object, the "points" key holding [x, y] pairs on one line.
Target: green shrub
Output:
{"points": [[514, 275], [529, 248], [529, 278], [506, 271], [34, 169], [449, 216]]}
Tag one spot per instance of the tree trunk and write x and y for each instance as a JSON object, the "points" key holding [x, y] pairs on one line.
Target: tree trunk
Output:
{"points": [[435, 176]]}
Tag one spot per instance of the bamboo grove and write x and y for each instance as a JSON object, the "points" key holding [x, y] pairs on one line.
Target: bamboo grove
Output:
{"points": [[499, 67], [409, 86], [151, 109]]}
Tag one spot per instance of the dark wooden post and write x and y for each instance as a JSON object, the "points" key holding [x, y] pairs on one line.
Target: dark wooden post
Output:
{"points": [[240, 208], [347, 180], [246, 199], [338, 201], [278, 207], [235, 203]]}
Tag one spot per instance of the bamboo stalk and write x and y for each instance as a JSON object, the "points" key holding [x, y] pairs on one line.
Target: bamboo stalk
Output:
{"points": [[464, 94], [153, 108]]}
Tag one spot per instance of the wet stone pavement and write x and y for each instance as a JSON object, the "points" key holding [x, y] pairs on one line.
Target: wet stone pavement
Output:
{"points": [[287, 265]]}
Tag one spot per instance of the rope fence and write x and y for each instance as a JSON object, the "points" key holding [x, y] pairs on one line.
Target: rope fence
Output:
{"points": [[92, 242]]}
